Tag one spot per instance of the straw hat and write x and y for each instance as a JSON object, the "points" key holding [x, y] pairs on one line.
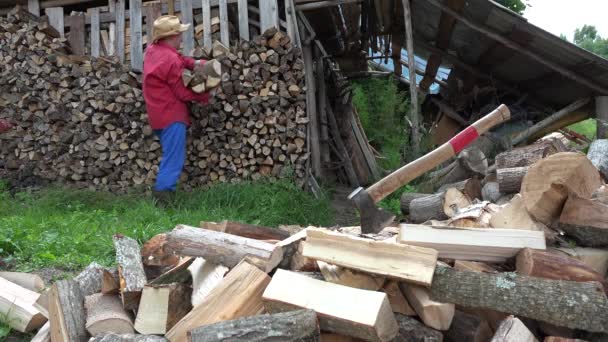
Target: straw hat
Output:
{"points": [[167, 25]]}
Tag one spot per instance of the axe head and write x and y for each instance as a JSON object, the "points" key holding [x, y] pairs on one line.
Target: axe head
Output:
{"points": [[373, 219]]}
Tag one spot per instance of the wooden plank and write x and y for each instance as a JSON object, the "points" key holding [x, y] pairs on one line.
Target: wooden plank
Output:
{"points": [[269, 15], [135, 35], [224, 29], [402, 262], [494, 245], [55, 15], [77, 34], [120, 30], [152, 11], [95, 43], [188, 36], [557, 302], [601, 115], [289, 19], [206, 9], [238, 295], [243, 20], [33, 6], [205, 277], [363, 143], [314, 148], [368, 317], [409, 36], [111, 29]]}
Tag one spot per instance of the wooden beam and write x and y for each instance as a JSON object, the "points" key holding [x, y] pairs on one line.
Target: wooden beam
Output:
{"points": [[244, 20], [152, 11], [369, 317], [33, 6], [224, 29], [491, 33], [557, 302], [471, 244], [601, 115], [135, 35], [120, 30], [95, 42], [55, 15], [314, 146], [77, 34], [111, 29], [406, 263], [269, 16], [206, 9], [409, 36], [186, 16]]}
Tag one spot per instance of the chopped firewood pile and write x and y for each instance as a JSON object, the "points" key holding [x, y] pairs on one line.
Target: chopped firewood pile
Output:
{"points": [[529, 267], [81, 120]]}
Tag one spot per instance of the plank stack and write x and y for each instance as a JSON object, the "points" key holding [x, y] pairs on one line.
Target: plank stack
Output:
{"points": [[82, 120]]}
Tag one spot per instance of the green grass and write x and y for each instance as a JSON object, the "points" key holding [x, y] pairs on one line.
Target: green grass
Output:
{"points": [[68, 229], [586, 128]]}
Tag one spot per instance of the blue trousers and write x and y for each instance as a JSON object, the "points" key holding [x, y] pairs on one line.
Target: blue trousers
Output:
{"points": [[173, 144]]}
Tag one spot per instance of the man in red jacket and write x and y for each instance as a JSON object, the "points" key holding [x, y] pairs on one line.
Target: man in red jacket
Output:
{"points": [[166, 100]]}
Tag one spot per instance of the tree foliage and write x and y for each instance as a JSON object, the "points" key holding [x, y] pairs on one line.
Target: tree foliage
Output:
{"points": [[588, 38], [517, 6]]}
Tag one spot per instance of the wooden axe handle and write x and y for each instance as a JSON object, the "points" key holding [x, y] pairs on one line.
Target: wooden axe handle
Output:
{"points": [[418, 167]]}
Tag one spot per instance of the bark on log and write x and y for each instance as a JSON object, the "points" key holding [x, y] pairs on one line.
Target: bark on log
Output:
{"points": [[90, 279], [130, 270], [128, 338], [598, 154], [106, 315], [468, 328], [407, 198], [153, 252], [528, 155], [544, 264], [563, 303], [510, 179], [595, 258], [439, 206], [247, 230], [291, 326], [66, 312], [548, 183], [221, 248], [586, 221], [411, 330]]}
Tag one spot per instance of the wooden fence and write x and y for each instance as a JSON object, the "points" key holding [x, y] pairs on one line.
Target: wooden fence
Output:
{"points": [[113, 30]]}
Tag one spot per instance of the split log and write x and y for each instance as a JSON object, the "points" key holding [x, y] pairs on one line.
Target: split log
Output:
{"points": [[238, 295], [397, 299], [514, 216], [547, 184], [221, 248], [586, 221], [90, 279], [290, 247], [42, 303], [411, 330], [438, 206], [347, 277], [128, 338], [110, 283], [598, 155], [30, 281], [528, 155], [469, 187], [434, 314], [544, 264], [510, 179], [161, 307], [595, 258], [468, 328], [601, 194], [247, 230], [291, 326], [473, 266], [66, 312], [178, 274], [301, 263], [513, 330], [477, 215], [105, 315], [494, 245], [369, 317], [43, 334], [406, 263], [491, 192], [407, 198], [17, 307], [130, 270], [205, 277], [153, 253], [564, 303]]}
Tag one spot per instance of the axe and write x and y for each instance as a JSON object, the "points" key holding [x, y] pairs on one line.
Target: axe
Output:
{"points": [[373, 219]]}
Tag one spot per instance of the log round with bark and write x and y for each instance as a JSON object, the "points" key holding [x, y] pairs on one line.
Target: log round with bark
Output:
{"points": [[510, 179]]}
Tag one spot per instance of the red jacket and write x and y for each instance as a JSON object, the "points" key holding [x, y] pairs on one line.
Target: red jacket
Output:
{"points": [[164, 91]]}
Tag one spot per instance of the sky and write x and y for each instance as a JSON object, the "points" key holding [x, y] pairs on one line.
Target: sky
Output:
{"points": [[564, 16]]}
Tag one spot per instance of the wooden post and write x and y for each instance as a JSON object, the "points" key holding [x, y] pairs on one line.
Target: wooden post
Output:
{"points": [[243, 20], [95, 32], [601, 115], [171, 7], [77, 32], [33, 6], [188, 42], [137, 54], [153, 10], [206, 8], [269, 16], [120, 30], [325, 157], [311, 109], [409, 36], [55, 15], [289, 20], [224, 30], [112, 29]]}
